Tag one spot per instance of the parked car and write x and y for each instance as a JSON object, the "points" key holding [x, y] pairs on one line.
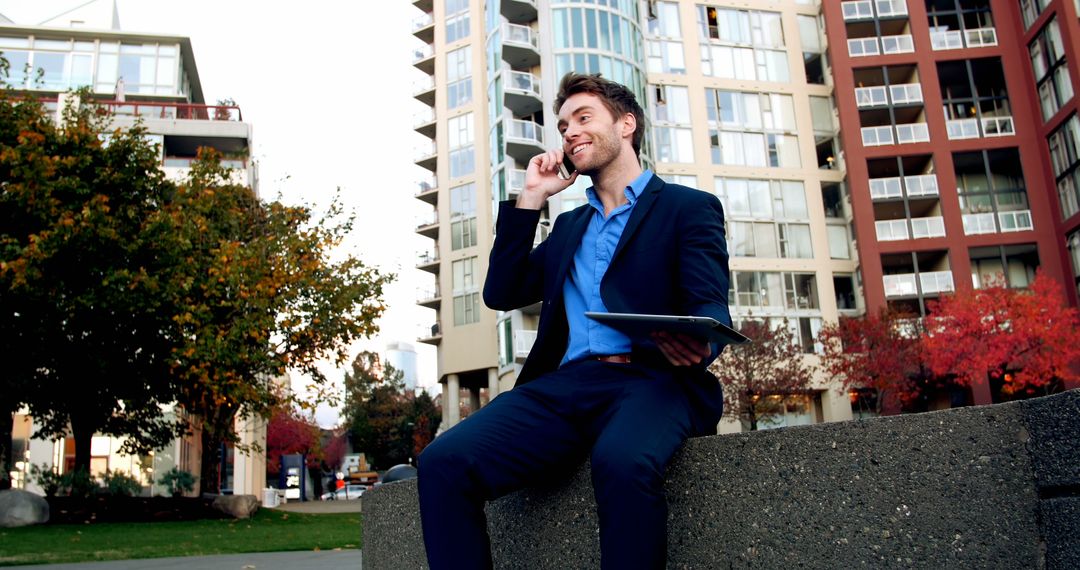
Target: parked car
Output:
{"points": [[346, 493]]}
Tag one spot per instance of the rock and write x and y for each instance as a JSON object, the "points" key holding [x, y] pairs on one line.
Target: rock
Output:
{"points": [[22, 508], [399, 473], [237, 506]]}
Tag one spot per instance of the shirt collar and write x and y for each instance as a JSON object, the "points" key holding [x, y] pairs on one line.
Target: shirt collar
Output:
{"points": [[633, 191]]}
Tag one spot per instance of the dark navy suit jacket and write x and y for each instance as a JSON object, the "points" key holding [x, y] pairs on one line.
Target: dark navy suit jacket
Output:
{"points": [[671, 259]]}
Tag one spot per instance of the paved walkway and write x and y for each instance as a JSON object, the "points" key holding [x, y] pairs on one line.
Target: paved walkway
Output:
{"points": [[320, 507], [307, 560]]}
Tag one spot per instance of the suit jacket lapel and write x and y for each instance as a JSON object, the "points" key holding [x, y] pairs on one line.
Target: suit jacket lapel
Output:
{"points": [[644, 203]]}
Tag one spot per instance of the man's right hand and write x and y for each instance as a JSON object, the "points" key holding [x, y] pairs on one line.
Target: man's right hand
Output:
{"points": [[542, 180]]}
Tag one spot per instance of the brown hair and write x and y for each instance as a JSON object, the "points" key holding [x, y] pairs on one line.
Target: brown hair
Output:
{"points": [[615, 96]]}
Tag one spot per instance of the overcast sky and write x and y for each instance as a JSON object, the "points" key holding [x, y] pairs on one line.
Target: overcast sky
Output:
{"points": [[327, 87]]}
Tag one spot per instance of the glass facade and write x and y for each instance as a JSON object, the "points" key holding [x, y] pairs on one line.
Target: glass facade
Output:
{"points": [[62, 64], [599, 37]]}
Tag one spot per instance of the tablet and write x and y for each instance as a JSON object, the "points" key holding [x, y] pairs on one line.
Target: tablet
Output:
{"points": [[642, 326]]}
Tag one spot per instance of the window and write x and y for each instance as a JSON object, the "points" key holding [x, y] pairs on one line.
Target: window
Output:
{"points": [[784, 410], [666, 57], [1031, 10], [669, 107], [457, 27], [991, 188], [463, 216], [844, 288], [771, 114], [459, 63], [666, 22], [462, 151], [1010, 265], [466, 296], [740, 44], [1051, 72], [458, 93]]}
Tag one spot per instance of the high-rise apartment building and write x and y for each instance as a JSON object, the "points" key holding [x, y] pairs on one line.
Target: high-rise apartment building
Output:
{"points": [[152, 77], [869, 154], [961, 136]]}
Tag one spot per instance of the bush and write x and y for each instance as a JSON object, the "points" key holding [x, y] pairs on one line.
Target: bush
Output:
{"points": [[78, 483], [178, 481], [119, 484], [50, 481]]}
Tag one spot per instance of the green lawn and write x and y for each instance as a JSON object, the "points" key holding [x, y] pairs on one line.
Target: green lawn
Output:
{"points": [[267, 531]]}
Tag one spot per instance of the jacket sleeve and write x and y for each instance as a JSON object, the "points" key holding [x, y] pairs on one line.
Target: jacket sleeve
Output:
{"points": [[703, 264], [515, 276]]}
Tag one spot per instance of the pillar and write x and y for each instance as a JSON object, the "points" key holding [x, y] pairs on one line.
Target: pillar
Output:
{"points": [[452, 400]]}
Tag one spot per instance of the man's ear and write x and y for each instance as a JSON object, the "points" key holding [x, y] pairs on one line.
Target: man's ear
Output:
{"points": [[629, 125]]}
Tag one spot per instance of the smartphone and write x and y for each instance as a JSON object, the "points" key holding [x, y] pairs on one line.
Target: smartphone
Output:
{"points": [[566, 168]]}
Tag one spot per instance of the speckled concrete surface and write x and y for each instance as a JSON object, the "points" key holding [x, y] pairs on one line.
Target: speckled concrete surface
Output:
{"points": [[964, 488]]}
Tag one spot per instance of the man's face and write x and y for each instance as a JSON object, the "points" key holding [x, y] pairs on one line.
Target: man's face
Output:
{"points": [[592, 137]]}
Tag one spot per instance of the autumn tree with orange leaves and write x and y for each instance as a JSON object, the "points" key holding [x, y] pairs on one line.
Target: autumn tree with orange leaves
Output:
{"points": [[1023, 342]]}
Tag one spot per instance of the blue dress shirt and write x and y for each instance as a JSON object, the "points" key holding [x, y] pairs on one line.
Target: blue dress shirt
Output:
{"points": [[581, 292]]}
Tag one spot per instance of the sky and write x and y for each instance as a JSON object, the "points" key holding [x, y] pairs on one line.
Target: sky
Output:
{"points": [[328, 91]]}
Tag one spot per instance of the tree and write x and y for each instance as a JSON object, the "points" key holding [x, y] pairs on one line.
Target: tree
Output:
{"points": [[80, 278], [289, 433], [758, 376], [1025, 341], [254, 293], [878, 352], [388, 424]]}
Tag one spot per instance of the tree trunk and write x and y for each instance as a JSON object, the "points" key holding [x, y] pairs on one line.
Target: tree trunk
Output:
{"points": [[82, 432], [210, 470], [6, 446]]}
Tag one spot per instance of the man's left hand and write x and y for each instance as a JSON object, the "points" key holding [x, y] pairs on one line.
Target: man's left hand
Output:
{"points": [[681, 349]]}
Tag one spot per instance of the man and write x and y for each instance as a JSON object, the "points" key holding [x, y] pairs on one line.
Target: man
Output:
{"points": [[640, 245]]}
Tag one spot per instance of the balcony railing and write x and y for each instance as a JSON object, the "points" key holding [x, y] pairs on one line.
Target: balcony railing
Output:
{"points": [[857, 10], [956, 39], [975, 224], [426, 257], [517, 180], [429, 219], [897, 44], [936, 282], [930, 227], [877, 136], [170, 111], [521, 81], [423, 21], [962, 128], [526, 130], [912, 133], [902, 285], [921, 185], [871, 96], [906, 93], [1015, 221], [890, 8], [518, 34], [424, 117], [862, 47], [998, 126], [424, 151], [422, 53], [523, 342], [423, 85], [884, 188], [891, 230]]}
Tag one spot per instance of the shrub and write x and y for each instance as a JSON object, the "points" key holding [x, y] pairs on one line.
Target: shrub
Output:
{"points": [[78, 483], [120, 484], [178, 481], [49, 480]]}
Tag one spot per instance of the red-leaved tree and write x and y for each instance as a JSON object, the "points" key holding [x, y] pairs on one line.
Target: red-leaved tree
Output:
{"points": [[758, 376], [877, 352], [1025, 340], [289, 433]]}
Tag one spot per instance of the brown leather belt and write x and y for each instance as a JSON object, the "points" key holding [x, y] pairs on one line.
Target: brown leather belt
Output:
{"points": [[614, 358]]}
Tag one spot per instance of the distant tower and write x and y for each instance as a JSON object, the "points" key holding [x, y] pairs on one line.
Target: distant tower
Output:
{"points": [[402, 356]]}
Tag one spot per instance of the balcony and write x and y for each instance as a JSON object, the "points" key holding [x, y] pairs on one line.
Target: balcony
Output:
{"points": [[524, 139], [893, 187], [930, 227], [426, 156], [906, 94], [520, 46], [902, 285], [428, 191], [424, 122], [518, 11], [936, 282], [517, 182], [879, 95], [876, 96], [912, 133], [428, 261], [521, 93], [424, 90], [428, 225], [863, 47], [958, 39], [434, 337], [523, 343], [897, 44], [892, 230], [988, 223], [424, 59], [424, 5], [878, 136], [864, 9], [429, 298], [974, 128], [885, 189], [423, 27], [921, 185]]}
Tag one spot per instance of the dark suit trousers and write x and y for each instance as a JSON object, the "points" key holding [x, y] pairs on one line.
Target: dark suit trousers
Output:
{"points": [[628, 418]]}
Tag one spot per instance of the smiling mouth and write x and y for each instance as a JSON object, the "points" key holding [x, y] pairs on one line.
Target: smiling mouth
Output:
{"points": [[578, 148]]}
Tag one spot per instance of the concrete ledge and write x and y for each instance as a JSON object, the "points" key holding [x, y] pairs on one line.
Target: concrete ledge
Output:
{"points": [[980, 487]]}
